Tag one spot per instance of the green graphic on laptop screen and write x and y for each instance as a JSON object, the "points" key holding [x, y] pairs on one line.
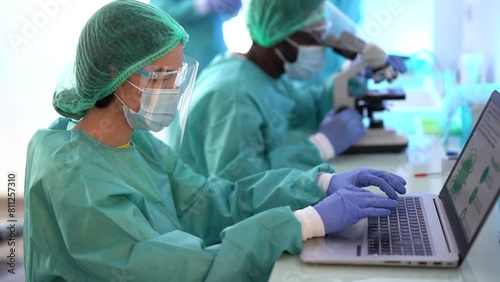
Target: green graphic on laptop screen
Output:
{"points": [[474, 181]]}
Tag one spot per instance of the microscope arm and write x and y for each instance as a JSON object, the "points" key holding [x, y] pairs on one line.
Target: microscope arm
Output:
{"points": [[350, 46], [362, 54], [341, 95], [370, 55]]}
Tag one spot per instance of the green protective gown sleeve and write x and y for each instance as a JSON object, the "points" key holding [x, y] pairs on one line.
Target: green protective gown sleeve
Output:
{"points": [[239, 129], [216, 198], [206, 37], [312, 102], [99, 213]]}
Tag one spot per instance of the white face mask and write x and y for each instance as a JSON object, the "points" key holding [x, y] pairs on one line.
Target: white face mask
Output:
{"points": [[310, 60], [158, 109]]}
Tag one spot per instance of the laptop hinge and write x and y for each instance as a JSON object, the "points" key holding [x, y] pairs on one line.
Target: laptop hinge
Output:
{"points": [[445, 226]]}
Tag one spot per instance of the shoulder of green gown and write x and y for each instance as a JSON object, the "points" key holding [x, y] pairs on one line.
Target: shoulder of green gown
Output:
{"points": [[60, 137], [230, 77], [232, 68]]}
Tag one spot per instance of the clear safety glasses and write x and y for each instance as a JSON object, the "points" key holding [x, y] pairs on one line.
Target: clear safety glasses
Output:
{"points": [[162, 77]]}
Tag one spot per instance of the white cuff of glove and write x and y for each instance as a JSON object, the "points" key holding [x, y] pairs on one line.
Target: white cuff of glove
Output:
{"points": [[324, 146], [312, 225], [201, 7], [324, 180]]}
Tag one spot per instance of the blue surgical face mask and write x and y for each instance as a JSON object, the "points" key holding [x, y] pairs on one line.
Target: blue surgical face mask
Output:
{"points": [[310, 60], [158, 109]]}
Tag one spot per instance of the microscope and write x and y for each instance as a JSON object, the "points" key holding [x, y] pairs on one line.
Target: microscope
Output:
{"points": [[378, 138]]}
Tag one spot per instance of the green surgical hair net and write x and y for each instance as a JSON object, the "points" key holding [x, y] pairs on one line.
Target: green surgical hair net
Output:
{"points": [[271, 21], [119, 39]]}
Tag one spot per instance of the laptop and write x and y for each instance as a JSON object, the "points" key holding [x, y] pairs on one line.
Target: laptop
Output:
{"points": [[428, 229]]}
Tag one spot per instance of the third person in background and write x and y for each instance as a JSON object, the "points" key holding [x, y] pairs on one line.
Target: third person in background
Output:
{"points": [[202, 20]]}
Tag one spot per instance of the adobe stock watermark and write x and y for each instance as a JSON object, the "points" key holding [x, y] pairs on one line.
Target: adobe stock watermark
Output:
{"points": [[31, 26], [381, 19]]}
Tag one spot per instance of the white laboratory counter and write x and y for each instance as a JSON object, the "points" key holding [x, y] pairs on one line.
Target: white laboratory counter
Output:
{"points": [[423, 155]]}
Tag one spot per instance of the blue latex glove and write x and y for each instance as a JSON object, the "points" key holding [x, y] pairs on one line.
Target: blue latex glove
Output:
{"points": [[342, 128], [224, 6], [390, 183], [347, 206], [396, 62]]}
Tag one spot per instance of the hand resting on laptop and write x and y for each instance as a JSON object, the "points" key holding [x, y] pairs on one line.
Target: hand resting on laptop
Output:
{"points": [[347, 202], [390, 183]]}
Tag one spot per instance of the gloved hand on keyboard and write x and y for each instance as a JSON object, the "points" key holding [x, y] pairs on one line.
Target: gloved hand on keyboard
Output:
{"points": [[390, 183], [224, 6], [342, 129], [345, 207]]}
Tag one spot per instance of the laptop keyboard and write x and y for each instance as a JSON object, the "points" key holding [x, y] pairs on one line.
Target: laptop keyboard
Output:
{"points": [[403, 232]]}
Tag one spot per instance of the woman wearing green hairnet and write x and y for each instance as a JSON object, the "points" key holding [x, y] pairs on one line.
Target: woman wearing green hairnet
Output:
{"points": [[245, 118], [107, 201]]}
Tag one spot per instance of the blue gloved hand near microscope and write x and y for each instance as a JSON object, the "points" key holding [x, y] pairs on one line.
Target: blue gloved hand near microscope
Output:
{"points": [[342, 128]]}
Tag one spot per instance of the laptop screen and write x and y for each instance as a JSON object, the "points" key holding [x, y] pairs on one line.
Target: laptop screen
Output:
{"points": [[472, 188]]}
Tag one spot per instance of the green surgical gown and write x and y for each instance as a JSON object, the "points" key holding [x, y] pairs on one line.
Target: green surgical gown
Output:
{"points": [[206, 37], [99, 213], [243, 122]]}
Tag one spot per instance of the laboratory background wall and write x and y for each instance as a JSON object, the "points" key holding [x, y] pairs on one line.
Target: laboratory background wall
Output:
{"points": [[39, 37]]}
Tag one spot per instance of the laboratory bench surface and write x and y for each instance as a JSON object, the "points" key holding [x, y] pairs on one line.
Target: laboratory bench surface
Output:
{"points": [[423, 155], [481, 264]]}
